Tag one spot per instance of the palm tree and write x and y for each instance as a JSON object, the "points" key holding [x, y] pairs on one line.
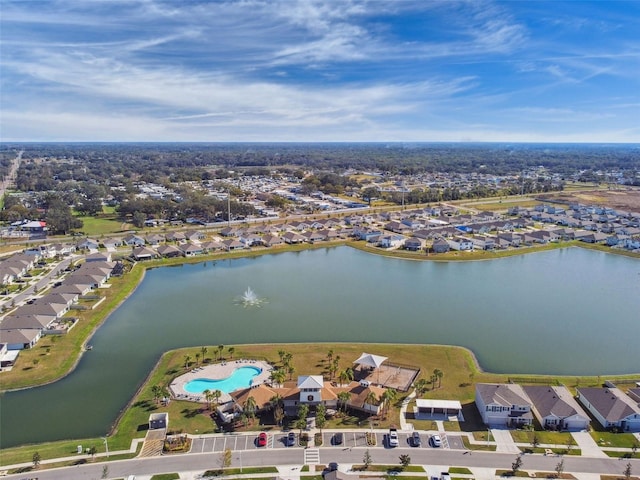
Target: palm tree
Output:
{"points": [[278, 408], [343, 377], [421, 386], [303, 411], [250, 407], [208, 395], [278, 376], [203, 351], [321, 419], [286, 360], [330, 355], [220, 349], [343, 398], [437, 373], [291, 370], [231, 351], [197, 358], [389, 396], [216, 396], [281, 354], [155, 391], [371, 399], [187, 359]]}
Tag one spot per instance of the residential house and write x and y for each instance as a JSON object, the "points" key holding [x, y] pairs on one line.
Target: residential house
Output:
{"points": [[20, 339], [232, 244], [169, 251], [611, 407], [503, 405], [112, 243], [190, 249], [87, 244], [271, 240], [414, 244], [177, 236], [391, 241], [483, 243], [556, 409], [293, 238], [155, 239], [133, 240], [460, 243], [440, 245], [143, 253]]}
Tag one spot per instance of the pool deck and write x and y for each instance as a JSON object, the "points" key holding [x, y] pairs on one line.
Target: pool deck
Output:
{"points": [[217, 371]]}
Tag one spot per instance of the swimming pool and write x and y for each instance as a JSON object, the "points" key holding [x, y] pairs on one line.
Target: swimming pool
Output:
{"points": [[240, 378]]}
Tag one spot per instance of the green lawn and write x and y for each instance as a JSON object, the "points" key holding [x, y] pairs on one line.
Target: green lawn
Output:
{"points": [[544, 437], [101, 225], [619, 440]]}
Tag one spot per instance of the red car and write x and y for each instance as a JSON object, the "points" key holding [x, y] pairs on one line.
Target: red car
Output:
{"points": [[262, 439]]}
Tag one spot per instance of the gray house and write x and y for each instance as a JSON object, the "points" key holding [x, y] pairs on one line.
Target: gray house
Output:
{"points": [[556, 409], [611, 407]]}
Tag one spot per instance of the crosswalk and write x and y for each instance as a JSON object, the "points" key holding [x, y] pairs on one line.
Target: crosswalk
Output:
{"points": [[311, 456]]}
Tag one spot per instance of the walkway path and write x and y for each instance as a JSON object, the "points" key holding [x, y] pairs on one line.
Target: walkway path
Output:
{"points": [[588, 445], [504, 441], [404, 425]]}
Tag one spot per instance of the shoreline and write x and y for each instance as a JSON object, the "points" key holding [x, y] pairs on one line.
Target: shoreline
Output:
{"points": [[253, 253]]}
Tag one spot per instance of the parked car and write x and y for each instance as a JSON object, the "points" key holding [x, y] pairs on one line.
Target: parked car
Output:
{"points": [[416, 441], [435, 441], [445, 476], [262, 439], [338, 438], [393, 437], [333, 466], [291, 439]]}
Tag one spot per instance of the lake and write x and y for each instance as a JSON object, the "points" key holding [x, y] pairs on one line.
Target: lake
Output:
{"points": [[562, 312]]}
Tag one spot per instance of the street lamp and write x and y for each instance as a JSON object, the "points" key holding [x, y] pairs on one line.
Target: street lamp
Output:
{"points": [[106, 445], [240, 458]]}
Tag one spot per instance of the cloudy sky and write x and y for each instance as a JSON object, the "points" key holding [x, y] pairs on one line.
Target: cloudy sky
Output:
{"points": [[326, 70]]}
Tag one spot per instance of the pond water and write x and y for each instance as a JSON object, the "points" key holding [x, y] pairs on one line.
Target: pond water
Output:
{"points": [[570, 311]]}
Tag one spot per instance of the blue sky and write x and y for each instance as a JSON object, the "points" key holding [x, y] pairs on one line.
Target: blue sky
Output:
{"points": [[333, 70]]}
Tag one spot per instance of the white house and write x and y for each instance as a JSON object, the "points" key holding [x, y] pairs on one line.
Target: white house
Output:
{"points": [[503, 405], [460, 243], [556, 409], [611, 407]]}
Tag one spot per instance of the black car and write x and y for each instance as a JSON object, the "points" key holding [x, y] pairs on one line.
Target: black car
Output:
{"points": [[333, 466], [338, 438], [291, 439], [416, 441]]}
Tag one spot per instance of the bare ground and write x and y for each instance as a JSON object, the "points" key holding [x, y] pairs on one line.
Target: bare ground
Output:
{"points": [[625, 199]]}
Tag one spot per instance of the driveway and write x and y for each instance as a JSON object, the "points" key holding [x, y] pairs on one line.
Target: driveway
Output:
{"points": [[588, 445], [504, 441]]}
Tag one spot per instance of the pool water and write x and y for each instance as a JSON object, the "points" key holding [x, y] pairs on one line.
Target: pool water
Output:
{"points": [[240, 378]]}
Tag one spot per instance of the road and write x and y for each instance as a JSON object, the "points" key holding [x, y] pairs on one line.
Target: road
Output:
{"points": [[432, 459], [9, 179]]}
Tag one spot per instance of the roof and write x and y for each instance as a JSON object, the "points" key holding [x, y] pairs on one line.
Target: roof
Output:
{"points": [[432, 403], [553, 401], [310, 381], [611, 403], [505, 394], [370, 360]]}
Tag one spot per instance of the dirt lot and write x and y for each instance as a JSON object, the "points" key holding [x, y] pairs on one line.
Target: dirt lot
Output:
{"points": [[627, 199]]}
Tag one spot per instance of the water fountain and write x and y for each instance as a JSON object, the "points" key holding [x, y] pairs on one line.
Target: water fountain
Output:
{"points": [[250, 299]]}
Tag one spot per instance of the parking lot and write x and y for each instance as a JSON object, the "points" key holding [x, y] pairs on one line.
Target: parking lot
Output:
{"points": [[350, 439]]}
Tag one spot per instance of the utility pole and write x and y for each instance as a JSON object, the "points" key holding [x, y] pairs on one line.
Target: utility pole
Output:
{"points": [[229, 207], [106, 445]]}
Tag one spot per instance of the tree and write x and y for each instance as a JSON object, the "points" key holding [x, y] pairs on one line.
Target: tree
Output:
{"points": [[208, 396], [388, 397], [343, 398], [281, 354], [231, 351], [278, 376], [197, 358], [330, 355], [560, 468], [250, 407], [187, 360], [59, 218], [516, 465], [535, 441], [627, 471], [366, 459], [220, 349], [138, 219], [225, 458], [216, 396], [370, 193], [321, 418], [634, 447], [36, 459], [371, 399], [437, 374], [405, 461], [92, 451], [291, 370], [421, 386], [203, 351], [156, 391], [303, 411]]}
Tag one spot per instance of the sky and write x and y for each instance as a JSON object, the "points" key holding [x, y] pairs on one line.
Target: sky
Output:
{"points": [[320, 71]]}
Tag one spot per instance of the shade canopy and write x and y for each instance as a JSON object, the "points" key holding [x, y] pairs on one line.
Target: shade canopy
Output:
{"points": [[370, 360]]}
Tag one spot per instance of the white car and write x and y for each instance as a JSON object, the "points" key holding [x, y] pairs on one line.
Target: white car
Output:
{"points": [[393, 437], [435, 441]]}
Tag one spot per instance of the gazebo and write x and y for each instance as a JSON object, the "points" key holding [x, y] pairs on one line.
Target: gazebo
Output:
{"points": [[371, 361]]}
